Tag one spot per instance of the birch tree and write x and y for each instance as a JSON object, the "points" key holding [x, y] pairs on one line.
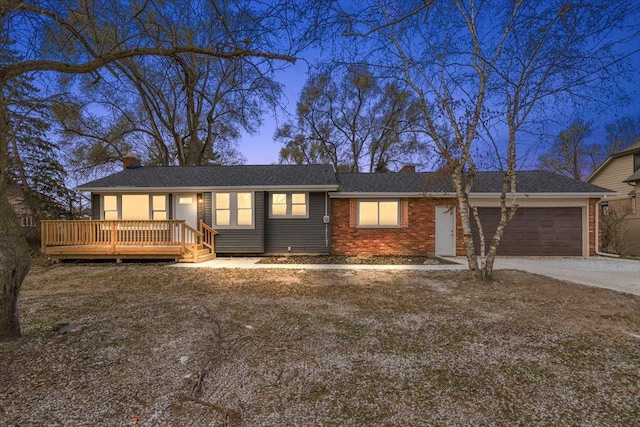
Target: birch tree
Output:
{"points": [[485, 69], [82, 37]]}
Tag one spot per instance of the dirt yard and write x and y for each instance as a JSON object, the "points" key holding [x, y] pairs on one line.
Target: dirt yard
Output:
{"points": [[196, 347]]}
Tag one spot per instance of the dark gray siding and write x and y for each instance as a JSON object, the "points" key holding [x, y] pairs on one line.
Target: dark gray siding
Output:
{"points": [[243, 241], [208, 218], [302, 235], [95, 206]]}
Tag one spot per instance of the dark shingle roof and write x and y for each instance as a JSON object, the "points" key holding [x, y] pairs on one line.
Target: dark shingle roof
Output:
{"points": [[218, 176], [486, 182], [630, 149], [634, 178], [323, 175]]}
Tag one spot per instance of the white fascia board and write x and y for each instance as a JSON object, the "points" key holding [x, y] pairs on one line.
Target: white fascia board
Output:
{"points": [[545, 195], [373, 195], [363, 195], [599, 169], [307, 188]]}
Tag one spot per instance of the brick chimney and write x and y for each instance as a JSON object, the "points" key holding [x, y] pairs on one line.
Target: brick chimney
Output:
{"points": [[131, 161], [408, 168]]}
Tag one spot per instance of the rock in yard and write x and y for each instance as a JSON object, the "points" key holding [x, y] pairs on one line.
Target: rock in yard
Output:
{"points": [[77, 330], [70, 330], [365, 255], [59, 326]]}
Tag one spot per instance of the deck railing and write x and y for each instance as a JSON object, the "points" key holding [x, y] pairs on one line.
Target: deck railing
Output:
{"points": [[130, 234], [207, 235]]}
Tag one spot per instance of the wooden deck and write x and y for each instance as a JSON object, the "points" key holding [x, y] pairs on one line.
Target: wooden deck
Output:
{"points": [[97, 239]]}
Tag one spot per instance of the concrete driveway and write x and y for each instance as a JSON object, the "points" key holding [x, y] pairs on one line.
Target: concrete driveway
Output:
{"points": [[611, 273]]}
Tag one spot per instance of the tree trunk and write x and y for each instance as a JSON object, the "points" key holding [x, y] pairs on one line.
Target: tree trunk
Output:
{"points": [[465, 219], [15, 259], [14, 266]]}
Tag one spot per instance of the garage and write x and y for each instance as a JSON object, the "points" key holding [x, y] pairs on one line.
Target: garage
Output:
{"points": [[535, 231]]}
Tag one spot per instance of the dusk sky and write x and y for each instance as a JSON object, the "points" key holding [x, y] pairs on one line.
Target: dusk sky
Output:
{"points": [[262, 149]]}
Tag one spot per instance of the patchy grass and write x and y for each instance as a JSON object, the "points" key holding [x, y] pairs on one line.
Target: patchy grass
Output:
{"points": [[197, 347]]}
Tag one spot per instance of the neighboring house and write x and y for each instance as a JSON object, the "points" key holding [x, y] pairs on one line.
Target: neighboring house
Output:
{"points": [[310, 209], [621, 172], [30, 208], [24, 213]]}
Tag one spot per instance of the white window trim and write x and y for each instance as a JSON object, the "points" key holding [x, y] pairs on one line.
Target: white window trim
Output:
{"points": [[118, 210], [233, 211], [289, 215], [119, 204], [27, 222], [152, 211], [398, 210]]}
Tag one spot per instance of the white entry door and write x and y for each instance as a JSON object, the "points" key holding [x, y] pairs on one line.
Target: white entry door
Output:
{"points": [[186, 207], [446, 230]]}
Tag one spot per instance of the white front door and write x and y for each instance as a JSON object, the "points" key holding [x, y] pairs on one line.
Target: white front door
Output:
{"points": [[446, 230], [186, 207]]}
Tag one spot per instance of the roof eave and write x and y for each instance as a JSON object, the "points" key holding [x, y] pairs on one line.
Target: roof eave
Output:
{"points": [[203, 188], [373, 194], [573, 195], [626, 152]]}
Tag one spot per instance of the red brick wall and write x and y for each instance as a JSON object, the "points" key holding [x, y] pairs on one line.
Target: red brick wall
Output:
{"points": [[418, 238]]}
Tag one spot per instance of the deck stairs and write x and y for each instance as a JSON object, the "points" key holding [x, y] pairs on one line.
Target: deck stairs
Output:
{"points": [[201, 254]]}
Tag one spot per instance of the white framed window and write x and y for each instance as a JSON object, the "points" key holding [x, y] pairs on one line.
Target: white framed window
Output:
{"points": [[134, 207], [289, 205], [159, 207], [110, 208], [378, 213], [233, 210]]}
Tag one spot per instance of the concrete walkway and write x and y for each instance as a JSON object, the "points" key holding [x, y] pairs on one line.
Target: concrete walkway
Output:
{"points": [[250, 263], [610, 273]]}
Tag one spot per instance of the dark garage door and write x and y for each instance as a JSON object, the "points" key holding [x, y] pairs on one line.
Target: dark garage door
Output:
{"points": [[534, 231]]}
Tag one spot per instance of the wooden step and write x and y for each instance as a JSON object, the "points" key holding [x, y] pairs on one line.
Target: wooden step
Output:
{"points": [[204, 254]]}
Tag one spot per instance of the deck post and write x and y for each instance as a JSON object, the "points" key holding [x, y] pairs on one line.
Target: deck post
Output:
{"points": [[183, 232], [43, 236], [114, 235]]}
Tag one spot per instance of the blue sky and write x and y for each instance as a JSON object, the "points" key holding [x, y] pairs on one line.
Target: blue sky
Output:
{"points": [[262, 149]]}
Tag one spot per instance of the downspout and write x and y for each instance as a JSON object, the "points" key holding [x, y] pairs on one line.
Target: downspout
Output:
{"points": [[326, 224], [597, 230]]}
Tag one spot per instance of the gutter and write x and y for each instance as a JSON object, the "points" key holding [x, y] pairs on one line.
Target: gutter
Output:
{"points": [[452, 194], [597, 232], [135, 189]]}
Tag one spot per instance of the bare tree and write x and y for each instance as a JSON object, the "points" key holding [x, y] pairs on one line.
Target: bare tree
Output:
{"points": [[613, 226], [570, 155], [483, 69], [348, 118], [80, 38], [622, 133], [182, 109]]}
